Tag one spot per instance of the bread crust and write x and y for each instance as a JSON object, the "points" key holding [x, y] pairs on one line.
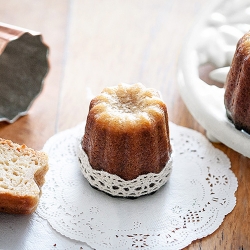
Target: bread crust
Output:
{"points": [[22, 174]]}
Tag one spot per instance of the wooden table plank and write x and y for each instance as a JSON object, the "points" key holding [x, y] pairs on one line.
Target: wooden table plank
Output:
{"points": [[123, 42], [94, 44]]}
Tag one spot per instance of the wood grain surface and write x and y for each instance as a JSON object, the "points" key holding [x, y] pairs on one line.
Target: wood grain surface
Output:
{"points": [[97, 43]]}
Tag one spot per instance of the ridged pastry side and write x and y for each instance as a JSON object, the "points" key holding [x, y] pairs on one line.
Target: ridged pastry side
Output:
{"points": [[127, 131], [237, 86]]}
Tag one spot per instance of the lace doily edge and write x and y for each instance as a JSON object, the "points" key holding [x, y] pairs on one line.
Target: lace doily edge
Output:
{"points": [[115, 186]]}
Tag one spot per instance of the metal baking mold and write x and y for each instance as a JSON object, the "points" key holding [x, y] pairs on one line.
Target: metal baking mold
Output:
{"points": [[23, 67]]}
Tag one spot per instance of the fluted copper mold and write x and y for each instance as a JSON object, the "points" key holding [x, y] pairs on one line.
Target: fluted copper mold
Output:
{"points": [[23, 67]]}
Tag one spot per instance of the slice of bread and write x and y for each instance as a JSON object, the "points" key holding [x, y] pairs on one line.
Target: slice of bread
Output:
{"points": [[22, 174]]}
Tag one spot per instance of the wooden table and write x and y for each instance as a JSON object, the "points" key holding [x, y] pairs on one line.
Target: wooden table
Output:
{"points": [[96, 43]]}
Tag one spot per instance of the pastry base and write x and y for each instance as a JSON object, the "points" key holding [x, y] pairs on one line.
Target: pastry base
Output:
{"points": [[118, 187]]}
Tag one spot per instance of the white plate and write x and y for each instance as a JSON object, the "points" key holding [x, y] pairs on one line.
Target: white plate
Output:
{"points": [[206, 102]]}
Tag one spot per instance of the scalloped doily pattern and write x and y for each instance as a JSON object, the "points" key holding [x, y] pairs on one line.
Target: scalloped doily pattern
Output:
{"points": [[191, 205]]}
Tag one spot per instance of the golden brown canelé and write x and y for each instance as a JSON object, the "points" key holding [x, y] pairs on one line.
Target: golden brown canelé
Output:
{"points": [[237, 86], [127, 131]]}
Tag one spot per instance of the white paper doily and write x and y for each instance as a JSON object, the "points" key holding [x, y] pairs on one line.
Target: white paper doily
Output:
{"points": [[192, 205], [31, 232]]}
